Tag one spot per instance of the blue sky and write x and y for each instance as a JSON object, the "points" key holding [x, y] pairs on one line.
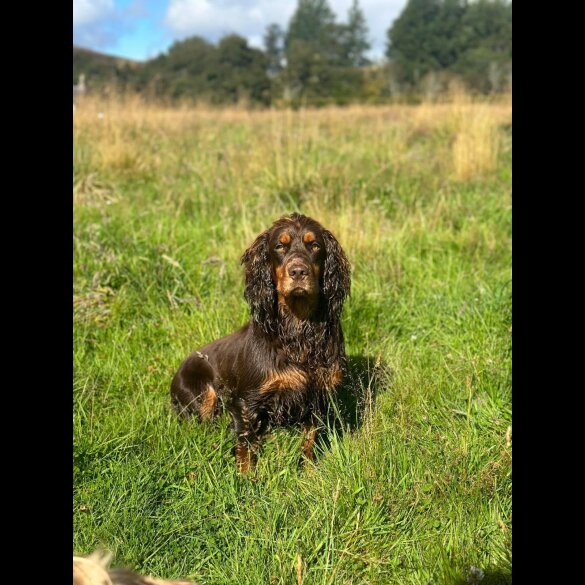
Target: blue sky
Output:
{"points": [[141, 29]]}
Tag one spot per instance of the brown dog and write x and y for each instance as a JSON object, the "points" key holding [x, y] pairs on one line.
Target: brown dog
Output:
{"points": [[280, 367]]}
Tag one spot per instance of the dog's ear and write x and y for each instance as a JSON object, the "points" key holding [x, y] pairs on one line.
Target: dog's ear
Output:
{"points": [[336, 276], [259, 288]]}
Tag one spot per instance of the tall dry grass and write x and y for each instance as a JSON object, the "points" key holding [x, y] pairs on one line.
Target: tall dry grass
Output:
{"points": [[474, 129], [124, 132], [284, 156]]}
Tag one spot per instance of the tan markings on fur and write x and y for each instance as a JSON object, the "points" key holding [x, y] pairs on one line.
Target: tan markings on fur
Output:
{"points": [[244, 460], [280, 273], [309, 237], [335, 376], [280, 276], [329, 378], [284, 238], [288, 379], [310, 433], [208, 403]]}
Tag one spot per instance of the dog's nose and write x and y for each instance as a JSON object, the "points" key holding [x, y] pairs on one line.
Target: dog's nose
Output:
{"points": [[298, 271]]}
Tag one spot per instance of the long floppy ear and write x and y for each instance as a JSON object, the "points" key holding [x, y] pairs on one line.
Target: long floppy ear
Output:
{"points": [[336, 276], [259, 288]]}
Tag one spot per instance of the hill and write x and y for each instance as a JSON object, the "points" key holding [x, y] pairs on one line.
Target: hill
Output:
{"points": [[100, 68]]}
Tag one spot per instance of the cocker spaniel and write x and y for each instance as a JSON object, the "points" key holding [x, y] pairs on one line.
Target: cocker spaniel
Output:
{"points": [[282, 366]]}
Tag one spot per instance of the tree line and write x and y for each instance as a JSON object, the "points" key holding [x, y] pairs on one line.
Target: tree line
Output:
{"points": [[319, 60]]}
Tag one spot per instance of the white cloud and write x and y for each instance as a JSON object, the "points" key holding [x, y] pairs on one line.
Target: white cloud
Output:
{"points": [[94, 23], [86, 12], [213, 19]]}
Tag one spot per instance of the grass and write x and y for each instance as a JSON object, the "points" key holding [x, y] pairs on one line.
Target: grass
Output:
{"points": [[418, 488]]}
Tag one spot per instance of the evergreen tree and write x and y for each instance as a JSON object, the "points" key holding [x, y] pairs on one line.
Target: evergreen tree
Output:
{"points": [[314, 51], [312, 23], [356, 42], [274, 49]]}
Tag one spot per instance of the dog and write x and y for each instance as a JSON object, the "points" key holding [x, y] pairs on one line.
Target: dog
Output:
{"points": [[93, 570], [282, 366]]}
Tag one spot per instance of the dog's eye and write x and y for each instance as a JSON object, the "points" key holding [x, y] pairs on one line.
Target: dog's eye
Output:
{"points": [[279, 247], [315, 247]]}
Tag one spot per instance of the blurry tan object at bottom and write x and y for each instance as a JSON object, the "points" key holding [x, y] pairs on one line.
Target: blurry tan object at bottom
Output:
{"points": [[93, 570]]}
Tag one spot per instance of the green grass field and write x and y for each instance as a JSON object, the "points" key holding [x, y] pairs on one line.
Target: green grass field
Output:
{"points": [[413, 486]]}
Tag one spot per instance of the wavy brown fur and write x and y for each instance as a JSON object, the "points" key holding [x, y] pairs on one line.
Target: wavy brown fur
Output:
{"points": [[281, 367]]}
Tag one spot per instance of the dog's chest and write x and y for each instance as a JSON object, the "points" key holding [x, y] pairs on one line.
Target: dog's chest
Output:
{"points": [[290, 394]]}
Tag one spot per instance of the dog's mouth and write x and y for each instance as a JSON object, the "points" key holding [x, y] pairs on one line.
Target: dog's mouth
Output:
{"points": [[299, 291], [301, 301]]}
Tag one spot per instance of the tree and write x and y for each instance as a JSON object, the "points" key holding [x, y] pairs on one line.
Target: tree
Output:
{"points": [[471, 39], [446, 30], [274, 49], [410, 40], [314, 52], [486, 57], [184, 71], [241, 72], [196, 69], [355, 41], [312, 23]]}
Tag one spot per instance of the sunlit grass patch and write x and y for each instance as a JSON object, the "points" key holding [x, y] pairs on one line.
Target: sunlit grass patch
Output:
{"points": [[414, 484]]}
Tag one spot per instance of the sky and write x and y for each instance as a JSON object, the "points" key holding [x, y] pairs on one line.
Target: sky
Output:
{"points": [[142, 29]]}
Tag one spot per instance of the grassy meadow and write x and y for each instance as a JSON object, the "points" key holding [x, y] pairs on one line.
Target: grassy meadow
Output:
{"points": [[413, 485]]}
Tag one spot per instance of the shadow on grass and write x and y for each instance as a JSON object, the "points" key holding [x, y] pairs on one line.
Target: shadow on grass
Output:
{"points": [[490, 577], [355, 399]]}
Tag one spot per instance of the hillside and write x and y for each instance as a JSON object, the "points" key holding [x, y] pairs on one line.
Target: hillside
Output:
{"points": [[100, 68]]}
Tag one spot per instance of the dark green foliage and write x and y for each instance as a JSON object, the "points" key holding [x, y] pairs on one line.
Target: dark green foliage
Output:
{"points": [[314, 24], [312, 51], [486, 60], [241, 72], [473, 40], [423, 38], [355, 37], [321, 55], [195, 69], [185, 71]]}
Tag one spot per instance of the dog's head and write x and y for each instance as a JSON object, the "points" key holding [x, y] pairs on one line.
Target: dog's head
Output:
{"points": [[297, 264]]}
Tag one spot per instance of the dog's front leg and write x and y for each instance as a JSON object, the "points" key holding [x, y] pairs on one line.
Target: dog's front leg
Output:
{"points": [[249, 429], [310, 433]]}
